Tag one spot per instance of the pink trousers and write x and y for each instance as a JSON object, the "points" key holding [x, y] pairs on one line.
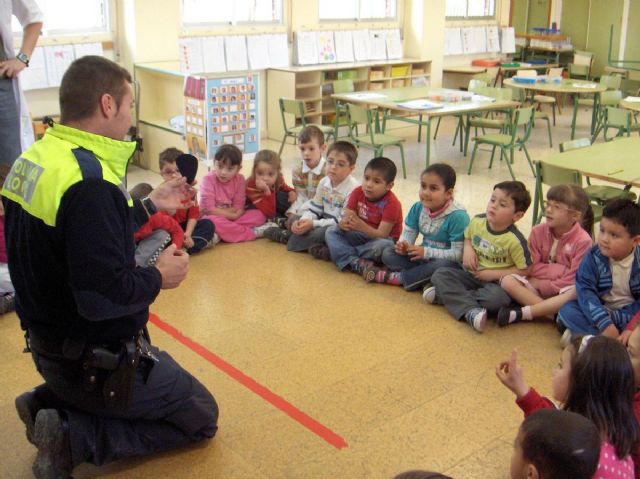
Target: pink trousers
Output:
{"points": [[236, 231]]}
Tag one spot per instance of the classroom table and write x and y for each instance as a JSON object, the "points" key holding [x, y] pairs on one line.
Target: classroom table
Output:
{"points": [[505, 71], [389, 101], [459, 76], [630, 105], [612, 161], [571, 87]]}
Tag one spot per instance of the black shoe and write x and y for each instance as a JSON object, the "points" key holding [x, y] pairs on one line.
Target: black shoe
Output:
{"points": [[51, 437], [320, 251], [504, 313], [28, 404], [281, 222], [278, 235]]}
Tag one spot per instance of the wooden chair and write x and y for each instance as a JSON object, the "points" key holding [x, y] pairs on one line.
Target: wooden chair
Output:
{"points": [[581, 65]]}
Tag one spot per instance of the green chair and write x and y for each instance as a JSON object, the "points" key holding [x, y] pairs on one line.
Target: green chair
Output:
{"points": [[341, 86], [523, 117], [485, 121], [581, 65], [376, 141], [599, 194], [621, 120], [475, 86], [295, 109], [612, 82], [551, 175], [607, 99]]}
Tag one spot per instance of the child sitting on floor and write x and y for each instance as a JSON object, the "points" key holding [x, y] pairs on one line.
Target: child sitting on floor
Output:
{"points": [[555, 444], [305, 178], [595, 379], [371, 220], [608, 279], [198, 232], [493, 248], [267, 191], [223, 197], [325, 209], [440, 220], [557, 247]]}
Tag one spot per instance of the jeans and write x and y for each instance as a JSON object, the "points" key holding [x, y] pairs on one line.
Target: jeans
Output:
{"points": [[573, 318], [304, 242], [10, 148], [202, 234], [415, 274], [348, 246]]}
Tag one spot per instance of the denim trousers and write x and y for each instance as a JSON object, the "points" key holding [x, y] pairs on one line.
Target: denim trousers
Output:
{"points": [[348, 246], [415, 274]]}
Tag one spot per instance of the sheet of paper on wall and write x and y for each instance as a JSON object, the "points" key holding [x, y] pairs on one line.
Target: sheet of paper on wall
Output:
{"points": [[361, 45], [452, 41], [480, 39], [213, 54], [35, 77], [344, 45], [258, 50], [493, 39], [306, 48], [378, 45], [57, 58], [394, 44], [508, 40], [84, 49], [235, 49], [467, 40], [278, 50], [190, 55], [326, 47]]}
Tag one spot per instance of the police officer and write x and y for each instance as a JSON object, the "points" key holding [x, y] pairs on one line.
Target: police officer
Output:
{"points": [[108, 394]]}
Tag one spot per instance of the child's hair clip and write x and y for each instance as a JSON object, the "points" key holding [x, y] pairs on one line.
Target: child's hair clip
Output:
{"points": [[584, 342]]}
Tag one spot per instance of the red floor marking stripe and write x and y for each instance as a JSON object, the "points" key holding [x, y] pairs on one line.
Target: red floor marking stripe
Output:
{"points": [[268, 395]]}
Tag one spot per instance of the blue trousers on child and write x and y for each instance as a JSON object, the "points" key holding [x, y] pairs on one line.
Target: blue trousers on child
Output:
{"points": [[415, 274], [573, 318], [348, 246]]}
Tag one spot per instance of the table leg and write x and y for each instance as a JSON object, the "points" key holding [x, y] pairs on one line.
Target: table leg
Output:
{"points": [[575, 114], [594, 114], [428, 139]]}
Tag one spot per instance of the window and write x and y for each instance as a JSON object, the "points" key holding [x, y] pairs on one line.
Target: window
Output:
{"points": [[357, 9], [203, 12], [470, 8], [89, 16]]}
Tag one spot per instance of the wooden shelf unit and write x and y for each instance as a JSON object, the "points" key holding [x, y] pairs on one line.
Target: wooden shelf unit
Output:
{"points": [[314, 85]]}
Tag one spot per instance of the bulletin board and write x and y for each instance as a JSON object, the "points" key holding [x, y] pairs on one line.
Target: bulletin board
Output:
{"points": [[233, 110]]}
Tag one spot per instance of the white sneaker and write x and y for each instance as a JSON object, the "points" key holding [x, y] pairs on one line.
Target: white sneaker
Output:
{"points": [[477, 318], [429, 294], [214, 241], [259, 230], [565, 340]]}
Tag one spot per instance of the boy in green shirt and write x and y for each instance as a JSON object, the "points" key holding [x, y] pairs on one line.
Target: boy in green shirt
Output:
{"points": [[493, 248]]}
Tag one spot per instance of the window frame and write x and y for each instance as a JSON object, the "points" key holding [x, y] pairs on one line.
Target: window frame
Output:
{"points": [[358, 18], [108, 12], [214, 25], [467, 17]]}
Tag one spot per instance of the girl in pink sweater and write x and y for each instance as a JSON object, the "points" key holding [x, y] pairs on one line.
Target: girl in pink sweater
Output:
{"points": [[557, 247]]}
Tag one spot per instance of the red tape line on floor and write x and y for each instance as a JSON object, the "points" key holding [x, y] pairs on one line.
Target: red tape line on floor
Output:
{"points": [[266, 394]]}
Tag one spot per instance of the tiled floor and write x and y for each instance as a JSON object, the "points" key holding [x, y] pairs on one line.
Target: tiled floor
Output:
{"points": [[401, 382]]}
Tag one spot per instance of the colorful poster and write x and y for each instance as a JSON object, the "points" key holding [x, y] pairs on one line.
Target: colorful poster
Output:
{"points": [[326, 48], [195, 116], [232, 105]]}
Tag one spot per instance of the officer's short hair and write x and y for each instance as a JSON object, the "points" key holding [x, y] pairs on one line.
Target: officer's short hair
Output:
{"points": [[84, 83]]}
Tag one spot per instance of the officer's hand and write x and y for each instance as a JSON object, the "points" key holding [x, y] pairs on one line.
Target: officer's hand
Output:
{"points": [[173, 265], [173, 194]]}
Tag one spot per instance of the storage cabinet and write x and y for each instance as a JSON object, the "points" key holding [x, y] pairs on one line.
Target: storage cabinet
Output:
{"points": [[314, 85]]}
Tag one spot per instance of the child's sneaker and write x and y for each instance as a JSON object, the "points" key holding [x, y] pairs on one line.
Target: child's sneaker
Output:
{"points": [[565, 340], [374, 273], [281, 222], [278, 235], [7, 303], [214, 241], [259, 230], [320, 251], [429, 293], [508, 316], [477, 318], [359, 265]]}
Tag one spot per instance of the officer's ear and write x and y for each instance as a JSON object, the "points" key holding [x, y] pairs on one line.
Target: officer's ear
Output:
{"points": [[107, 105]]}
